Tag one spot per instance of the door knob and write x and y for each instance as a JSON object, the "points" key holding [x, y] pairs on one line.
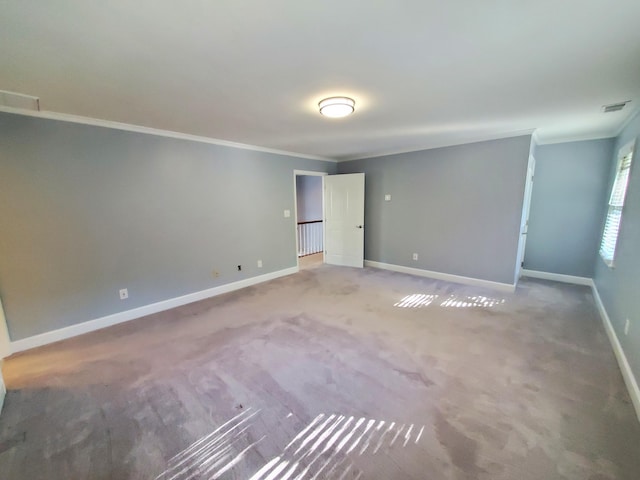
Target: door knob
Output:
{"points": [[359, 226]]}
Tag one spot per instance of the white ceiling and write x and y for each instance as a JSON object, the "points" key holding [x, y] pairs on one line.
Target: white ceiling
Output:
{"points": [[424, 73]]}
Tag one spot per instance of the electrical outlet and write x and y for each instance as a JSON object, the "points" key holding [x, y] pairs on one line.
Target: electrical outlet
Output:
{"points": [[287, 213], [215, 273], [239, 268], [124, 293], [387, 197], [415, 256], [626, 326], [259, 263]]}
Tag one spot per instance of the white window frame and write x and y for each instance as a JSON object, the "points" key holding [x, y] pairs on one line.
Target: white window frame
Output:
{"points": [[613, 221]]}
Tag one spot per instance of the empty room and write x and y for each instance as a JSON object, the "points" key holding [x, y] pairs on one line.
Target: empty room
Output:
{"points": [[298, 240]]}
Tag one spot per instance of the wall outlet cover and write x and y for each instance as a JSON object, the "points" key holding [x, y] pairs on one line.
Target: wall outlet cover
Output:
{"points": [[415, 256], [124, 293], [626, 326]]}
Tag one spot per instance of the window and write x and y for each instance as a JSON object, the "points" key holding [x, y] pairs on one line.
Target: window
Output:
{"points": [[616, 203]]}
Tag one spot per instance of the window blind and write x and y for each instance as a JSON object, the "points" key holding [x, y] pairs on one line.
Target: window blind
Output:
{"points": [[614, 213]]}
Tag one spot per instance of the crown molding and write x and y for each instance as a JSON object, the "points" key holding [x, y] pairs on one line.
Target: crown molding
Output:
{"points": [[97, 122], [585, 138], [628, 120], [485, 138], [576, 138]]}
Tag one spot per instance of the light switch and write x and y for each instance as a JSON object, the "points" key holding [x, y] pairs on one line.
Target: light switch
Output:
{"points": [[387, 197], [287, 213]]}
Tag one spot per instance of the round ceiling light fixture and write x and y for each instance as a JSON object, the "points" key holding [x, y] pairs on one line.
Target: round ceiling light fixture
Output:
{"points": [[336, 107]]}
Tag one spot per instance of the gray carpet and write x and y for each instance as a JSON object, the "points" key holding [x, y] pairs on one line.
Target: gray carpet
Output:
{"points": [[331, 373]]}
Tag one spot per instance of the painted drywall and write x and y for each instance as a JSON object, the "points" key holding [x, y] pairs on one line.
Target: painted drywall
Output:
{"points": [[619, 286], [86, 211], [458, 207], [309, 193], [568, 201]]}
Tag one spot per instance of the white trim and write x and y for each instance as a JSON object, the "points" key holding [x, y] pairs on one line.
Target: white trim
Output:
{"points": [[311, 173], [558, 277], [577, 138], [96, 122], [627, 374], [524, 216], [588, 137], [3, 389], [5, 339], [18, 99], [626, 149], [109, 320], [623, 363], [505, 287], [626, 123], [26, 95], [481, 139], [535, 140]]}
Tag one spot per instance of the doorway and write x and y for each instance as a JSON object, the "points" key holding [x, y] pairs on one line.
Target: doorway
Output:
{"points": [[5, 341], [524, 224], [344, 220], [5, 350], [309, 215]]}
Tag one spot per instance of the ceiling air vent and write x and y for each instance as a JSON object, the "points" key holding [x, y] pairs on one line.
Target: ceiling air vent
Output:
{"points": [[614, 107], [19, 100]]}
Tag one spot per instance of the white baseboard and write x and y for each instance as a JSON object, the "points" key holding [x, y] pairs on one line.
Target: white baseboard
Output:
{"points": [[625, 368], [558, 277], [627, 374], [109, 320], [477, 282]]}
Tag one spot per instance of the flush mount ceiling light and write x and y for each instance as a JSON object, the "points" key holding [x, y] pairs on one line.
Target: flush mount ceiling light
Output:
{"points": [[336, 107]]}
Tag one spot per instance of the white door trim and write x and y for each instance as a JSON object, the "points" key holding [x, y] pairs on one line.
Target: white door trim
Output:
{"points": [[524, 221], [5, 351], [295, 205], [5, 339], [3, 389]]}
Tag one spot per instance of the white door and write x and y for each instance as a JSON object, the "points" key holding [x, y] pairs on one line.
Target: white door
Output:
{"points": [[344, 219], [5, 346], [526, 206]]}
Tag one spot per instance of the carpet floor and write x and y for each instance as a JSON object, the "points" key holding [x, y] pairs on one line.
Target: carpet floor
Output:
{"points": [[331, 373]]}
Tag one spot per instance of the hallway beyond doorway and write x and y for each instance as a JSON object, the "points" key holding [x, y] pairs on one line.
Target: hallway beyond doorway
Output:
{"points": [[311, 261]]}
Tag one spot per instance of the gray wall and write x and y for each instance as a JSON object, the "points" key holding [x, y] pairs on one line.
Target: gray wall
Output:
{"points": [[458, 207], [85, 211], [309, 191], [567, 204], [619, 287]]}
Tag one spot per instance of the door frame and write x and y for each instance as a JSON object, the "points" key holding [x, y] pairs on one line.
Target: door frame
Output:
{"points": [[5, 339], [5, 351], [524, 221], [303, 173]]}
